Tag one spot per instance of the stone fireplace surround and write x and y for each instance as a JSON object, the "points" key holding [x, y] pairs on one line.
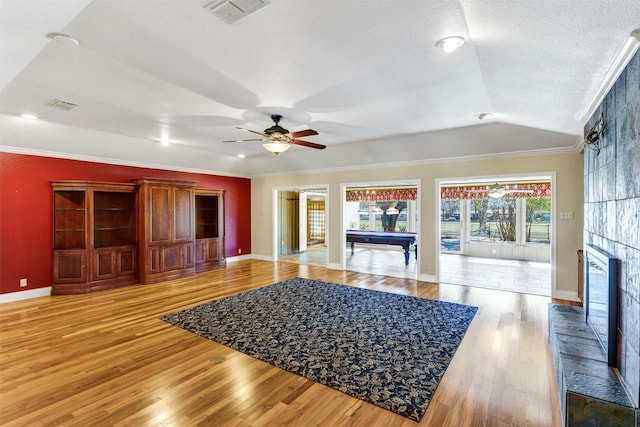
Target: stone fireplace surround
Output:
{"points": [[612, 209], [612, 223]]}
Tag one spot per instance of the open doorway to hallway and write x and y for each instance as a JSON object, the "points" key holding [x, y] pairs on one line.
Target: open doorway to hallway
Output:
{"points": [[301, 228], [380, 228], [497, 232]]}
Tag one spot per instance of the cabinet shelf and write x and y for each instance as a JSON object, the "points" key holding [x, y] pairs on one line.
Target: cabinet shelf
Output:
{"points": [[209, 229], [69, 220], [208, 218], [112, 228], [114, 219], [95, 239]]}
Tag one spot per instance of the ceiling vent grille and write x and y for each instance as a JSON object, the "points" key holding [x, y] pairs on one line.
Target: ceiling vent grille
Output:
{"points": [[231, 11], [62, 105]]}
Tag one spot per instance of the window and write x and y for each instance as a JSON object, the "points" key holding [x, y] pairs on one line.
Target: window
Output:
{"points": [[469, 216], [538, 227], [450, 225], [493, 220], [379, 216]]}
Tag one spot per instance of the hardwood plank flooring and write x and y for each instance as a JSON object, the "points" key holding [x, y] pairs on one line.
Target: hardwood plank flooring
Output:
{"points": [[108, 359]]}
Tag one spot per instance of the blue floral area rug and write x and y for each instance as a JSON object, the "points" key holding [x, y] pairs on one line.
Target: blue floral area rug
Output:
{"points": [[387, 349]]}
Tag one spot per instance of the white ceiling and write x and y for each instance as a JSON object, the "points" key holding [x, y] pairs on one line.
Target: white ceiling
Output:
{"points": [[364, 73]]}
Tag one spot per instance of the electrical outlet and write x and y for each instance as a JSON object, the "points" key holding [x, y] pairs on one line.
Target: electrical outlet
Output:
{"points": [[239, 251], [23, 283]]}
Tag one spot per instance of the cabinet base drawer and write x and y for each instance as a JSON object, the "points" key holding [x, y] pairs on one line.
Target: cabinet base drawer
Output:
{"points": [[169, 275]]}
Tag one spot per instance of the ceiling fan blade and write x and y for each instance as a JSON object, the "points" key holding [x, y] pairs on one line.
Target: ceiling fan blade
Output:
{"points": [[246, 140], [308, 144], [301, 133], [249, 130]]}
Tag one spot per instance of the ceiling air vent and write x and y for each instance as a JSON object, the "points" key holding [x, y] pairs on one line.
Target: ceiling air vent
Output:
{"points": [[62, 105], [231, 11]]}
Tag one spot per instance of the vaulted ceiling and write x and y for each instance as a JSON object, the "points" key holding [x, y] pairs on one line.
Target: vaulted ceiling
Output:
{"points": [[365, 74]]}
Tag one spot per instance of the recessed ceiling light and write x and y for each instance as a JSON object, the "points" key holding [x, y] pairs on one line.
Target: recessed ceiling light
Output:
{"points": [[241, 156], [29, 116], [164, 142], [449, 44], [483, 116], [64, 40]]}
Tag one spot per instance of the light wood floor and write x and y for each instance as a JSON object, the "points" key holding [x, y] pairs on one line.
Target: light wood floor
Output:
{"points": [[528, 277], [107, 359]]}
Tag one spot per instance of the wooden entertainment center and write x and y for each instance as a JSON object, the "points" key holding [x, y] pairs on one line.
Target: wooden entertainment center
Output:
{"points": [[108, 235]]}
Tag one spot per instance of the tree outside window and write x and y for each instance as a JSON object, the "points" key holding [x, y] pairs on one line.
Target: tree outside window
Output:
{"points": [[538, 212], [504, 212], [496, 220], [387, 215]]}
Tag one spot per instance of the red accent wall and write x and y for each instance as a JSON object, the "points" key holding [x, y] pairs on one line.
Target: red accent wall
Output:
{"points": [[26, 218]]}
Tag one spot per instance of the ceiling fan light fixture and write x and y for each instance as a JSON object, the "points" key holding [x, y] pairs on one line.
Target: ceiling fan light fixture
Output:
{"points": [[276, 147], [450, 44], [279, 139], [497, 194]]}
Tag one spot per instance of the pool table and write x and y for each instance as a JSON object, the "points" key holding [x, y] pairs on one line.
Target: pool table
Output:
{"points": [[404, 239]]}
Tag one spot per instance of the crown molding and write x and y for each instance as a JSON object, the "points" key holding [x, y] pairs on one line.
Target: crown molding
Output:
{"points": [[621, 60], [528, 153], [79, 157], [479, 157]]}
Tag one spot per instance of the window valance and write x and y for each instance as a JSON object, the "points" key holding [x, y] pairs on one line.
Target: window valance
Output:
{"points": [[466, 192], [381, 194]]}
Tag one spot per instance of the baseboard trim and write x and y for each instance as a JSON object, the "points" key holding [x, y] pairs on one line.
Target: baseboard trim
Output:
{"points": [[262, 257], [22, 295], [239, 258], [566, 296], [333, 266], [427, 278]]}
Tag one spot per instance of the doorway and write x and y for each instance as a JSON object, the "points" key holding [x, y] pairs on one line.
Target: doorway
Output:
{"points": [[497, 232], [389, 209], [300, 226]]}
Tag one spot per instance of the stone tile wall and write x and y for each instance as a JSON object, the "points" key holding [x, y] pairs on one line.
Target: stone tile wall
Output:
{"points": [[612, 208]]}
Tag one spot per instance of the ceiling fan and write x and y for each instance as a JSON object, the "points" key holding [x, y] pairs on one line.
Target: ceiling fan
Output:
{"points": [[496, 191], [279, 139]]}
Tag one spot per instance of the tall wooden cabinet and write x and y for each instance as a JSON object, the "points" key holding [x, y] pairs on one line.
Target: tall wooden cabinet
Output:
{"points": [[209, 229], [107, 235], [166, 229], [94, 236]]}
